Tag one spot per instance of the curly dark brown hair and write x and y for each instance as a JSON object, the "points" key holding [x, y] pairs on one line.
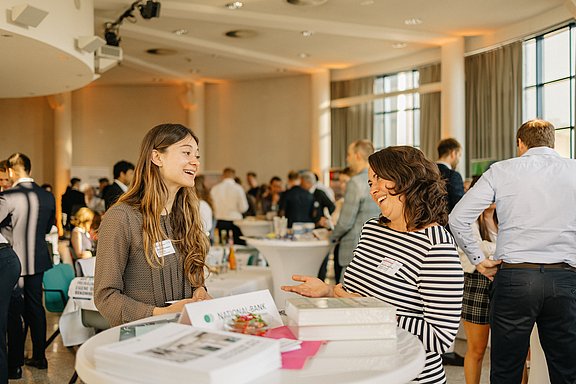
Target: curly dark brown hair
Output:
{"points": [[418, 179]]}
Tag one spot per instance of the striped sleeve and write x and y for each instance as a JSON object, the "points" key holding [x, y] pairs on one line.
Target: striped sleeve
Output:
{"points": [[440, 285]]}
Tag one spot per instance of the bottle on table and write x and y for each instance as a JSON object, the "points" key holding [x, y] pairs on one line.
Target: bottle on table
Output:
{"points": [[231, 255]]}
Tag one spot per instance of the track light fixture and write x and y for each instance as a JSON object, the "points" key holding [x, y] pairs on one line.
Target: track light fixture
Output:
{"points": [[148, 10]]}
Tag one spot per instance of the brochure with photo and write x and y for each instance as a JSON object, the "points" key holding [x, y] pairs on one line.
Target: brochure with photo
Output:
{"points": [[181, 353]]}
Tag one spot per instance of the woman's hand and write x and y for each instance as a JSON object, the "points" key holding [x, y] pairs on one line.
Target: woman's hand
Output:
{"points": [[311, 287], [200, 294], [489, 268], [173, 308], [86, 255], [339, 291]]}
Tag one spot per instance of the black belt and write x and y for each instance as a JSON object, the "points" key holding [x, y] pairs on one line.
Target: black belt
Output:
{"points": [[565, 266], [4, 245]]}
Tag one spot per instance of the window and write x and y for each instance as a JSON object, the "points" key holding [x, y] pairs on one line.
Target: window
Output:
{"points": [[549, 83], [397, 112]]}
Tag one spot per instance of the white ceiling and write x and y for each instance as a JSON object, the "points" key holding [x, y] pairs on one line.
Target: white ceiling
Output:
{"points": [[345, 33]]}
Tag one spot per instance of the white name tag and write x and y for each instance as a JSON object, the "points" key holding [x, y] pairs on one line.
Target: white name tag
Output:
{"points": [[164, 248], [389, 266]]}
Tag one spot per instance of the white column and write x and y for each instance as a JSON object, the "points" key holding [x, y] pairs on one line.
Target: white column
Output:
{"points": [[62, 106], [320, 140], [194, 105], [453, 97]]}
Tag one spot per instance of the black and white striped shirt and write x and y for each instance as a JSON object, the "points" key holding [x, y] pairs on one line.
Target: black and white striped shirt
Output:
{"points": [[419, 273]]}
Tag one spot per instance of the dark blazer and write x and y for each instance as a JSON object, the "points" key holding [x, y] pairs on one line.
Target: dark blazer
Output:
{"points": [[454, 185], [27, 213], [72, 201], [111, 194], [321, 201], [296, 204]]}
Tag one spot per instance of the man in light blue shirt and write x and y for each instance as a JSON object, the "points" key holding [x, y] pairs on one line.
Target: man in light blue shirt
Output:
{"points": [[534, 264]]}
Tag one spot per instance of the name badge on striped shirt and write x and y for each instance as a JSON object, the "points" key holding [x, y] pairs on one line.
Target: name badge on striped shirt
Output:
{"points": [[389, 266], [164, 248]]}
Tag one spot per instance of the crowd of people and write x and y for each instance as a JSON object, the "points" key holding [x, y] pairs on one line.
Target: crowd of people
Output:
{"points": [[498, 257]]}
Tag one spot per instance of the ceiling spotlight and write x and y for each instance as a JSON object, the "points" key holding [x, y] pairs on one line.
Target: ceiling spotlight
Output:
{"points": [[112, 37], [150, 9], [399, 45], [180, 32], [303, 55], [413, 21], [234, 5], [367, 2], [307, 33]]}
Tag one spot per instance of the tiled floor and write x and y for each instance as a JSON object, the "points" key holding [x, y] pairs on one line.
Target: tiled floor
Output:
{"points": [[61, 363]]}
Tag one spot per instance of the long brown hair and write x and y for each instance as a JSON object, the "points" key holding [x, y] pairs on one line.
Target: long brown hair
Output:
{"points": [[418, 179], [149, 194], [202, 192]]}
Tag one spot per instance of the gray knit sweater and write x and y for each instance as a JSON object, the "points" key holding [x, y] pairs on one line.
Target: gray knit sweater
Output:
{"points": [[126, 288]]}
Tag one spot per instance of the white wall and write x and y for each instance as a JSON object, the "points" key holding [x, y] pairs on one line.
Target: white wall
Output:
{"points": [[26, 126], [109, 122], [260, 125]]}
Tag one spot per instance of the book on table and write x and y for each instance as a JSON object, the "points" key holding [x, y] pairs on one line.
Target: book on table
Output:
{"points": [[343, 332], [332, 318], [177, 353]]}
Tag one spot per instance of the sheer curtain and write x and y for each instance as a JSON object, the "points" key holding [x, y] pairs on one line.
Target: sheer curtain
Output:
{"points": [[430, 112], [353, 122], [493, 103]]}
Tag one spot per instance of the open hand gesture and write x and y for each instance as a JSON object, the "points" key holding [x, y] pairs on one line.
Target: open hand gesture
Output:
{"points": [[311, 287]]}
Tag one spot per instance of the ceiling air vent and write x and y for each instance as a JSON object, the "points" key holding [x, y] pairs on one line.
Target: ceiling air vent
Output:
{"points": [[307, 2]]}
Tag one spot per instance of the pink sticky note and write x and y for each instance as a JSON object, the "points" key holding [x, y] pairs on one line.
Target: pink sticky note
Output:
{"points": [[294, 359]]}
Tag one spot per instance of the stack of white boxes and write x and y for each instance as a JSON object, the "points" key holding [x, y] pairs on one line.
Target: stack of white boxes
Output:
{"points": [[361, 318]]}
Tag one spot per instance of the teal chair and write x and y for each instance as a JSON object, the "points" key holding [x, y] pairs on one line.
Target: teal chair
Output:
{"points": [[55, 285]]}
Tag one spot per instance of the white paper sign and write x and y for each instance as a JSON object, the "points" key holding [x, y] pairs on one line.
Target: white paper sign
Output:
{"points": [[390, 266], [213, 314], [164, 248]]}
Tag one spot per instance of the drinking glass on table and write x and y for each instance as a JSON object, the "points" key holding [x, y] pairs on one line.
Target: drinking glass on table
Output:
{"points": [[280, 227]]}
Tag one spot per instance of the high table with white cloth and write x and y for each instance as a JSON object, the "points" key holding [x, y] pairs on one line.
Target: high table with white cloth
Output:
{"points": [[338, 362], [253, 227], [81, 293], [247, 279], [289, 257]]}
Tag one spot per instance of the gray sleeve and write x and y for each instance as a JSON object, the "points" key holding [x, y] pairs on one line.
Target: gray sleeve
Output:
{"points": [[112, 258], [349, 211]]}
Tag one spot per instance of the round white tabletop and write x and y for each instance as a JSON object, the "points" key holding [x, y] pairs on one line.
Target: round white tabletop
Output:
{"points": [[338, 362], [287, 258], [254, 227]]}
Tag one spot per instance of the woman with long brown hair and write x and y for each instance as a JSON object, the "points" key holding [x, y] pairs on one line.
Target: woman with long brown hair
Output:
{"points": [[152, 246], [406, 257], [476, 302]]}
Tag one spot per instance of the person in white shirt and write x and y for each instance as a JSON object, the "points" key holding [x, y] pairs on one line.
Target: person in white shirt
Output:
{"points": [[206, 212], [230, 203], [93, 202], [534, 266]]}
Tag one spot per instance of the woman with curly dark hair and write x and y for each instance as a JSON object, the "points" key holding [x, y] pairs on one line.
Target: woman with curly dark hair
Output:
{"points": [[152, 245], [406, 257]]}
